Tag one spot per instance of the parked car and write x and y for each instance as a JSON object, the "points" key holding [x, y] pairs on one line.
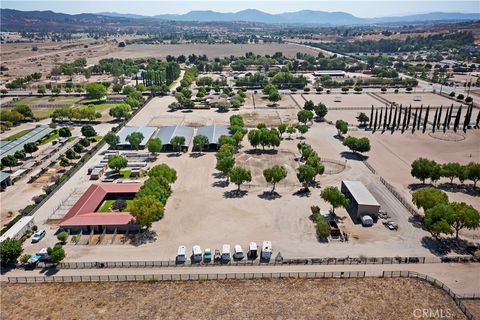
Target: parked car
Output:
{"points": [[217, 257], [238, 252], [252, 251], [37, 236], [367, 221], [196, 254], [181, 255], [390, 225], [266, 251], [226, 253], [207, 255]]}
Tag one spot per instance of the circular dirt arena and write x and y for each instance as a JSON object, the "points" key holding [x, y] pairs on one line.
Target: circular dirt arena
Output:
{"points": [[257, 161], [333, 166], [447, 136]]}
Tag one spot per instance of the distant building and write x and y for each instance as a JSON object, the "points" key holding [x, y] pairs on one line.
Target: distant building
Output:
{"points": [[331, 73], [147, 132], [5, 179], [362, 201], [451, 63], [166, 134], [36, 134], [213, 133]]}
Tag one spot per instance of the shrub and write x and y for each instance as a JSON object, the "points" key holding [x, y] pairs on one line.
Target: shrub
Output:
{"points": [[62, 236]]}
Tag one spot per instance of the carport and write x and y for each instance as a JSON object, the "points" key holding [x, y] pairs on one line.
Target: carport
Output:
{"points": [[213, 133], [166, 134], [147, 132]]}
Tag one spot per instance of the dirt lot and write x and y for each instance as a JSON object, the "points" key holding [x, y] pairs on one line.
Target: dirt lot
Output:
{"points": [[347, 100], [211, 50], [431, 99], [473, 306], [368, 298]]}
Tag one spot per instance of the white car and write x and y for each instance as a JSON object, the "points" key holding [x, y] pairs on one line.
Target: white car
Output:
{"points": [[37, 236], [252, 250], [225, 253]]}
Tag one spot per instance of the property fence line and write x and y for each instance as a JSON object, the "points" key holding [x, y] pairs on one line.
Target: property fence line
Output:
{"points": [[399, 197], [253, 275], [369, 166], [458, 299], [306, 261]]}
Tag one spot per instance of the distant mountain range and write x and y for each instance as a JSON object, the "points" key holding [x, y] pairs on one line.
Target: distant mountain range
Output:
{"points": [[299, 17], [46, 19]]}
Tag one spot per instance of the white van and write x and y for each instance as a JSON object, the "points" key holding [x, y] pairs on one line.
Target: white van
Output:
{"points": [[226, 253], [181, 254], [266, 250], [367, 221], [196, 254], [238, 252]]}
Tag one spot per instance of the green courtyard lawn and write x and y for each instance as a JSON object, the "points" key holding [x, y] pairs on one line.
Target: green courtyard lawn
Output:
{"points": [[17, 135], [105, 207]]}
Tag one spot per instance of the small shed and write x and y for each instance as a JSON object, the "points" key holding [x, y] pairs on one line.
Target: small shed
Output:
{"points": [[362, 201], [18, 229]]}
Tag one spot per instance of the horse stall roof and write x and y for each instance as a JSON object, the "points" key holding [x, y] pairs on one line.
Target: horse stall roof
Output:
{"points": [[214, 132], [165, 134], [360, 193], [125, 131], [36, 134]]}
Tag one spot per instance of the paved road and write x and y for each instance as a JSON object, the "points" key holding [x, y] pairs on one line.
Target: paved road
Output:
{"points": [[461, 278]]}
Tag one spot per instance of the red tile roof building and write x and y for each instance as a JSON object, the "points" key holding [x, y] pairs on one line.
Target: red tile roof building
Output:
{"points": [[84, 213]]}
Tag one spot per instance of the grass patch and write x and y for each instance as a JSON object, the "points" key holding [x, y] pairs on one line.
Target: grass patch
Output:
{"points": [[70, 139], [105, 207], [125, 174], [17, 135], [49, 138]]}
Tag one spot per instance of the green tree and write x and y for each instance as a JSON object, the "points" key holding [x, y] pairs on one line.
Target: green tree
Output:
{"points": [[177, 143], [135, 139], [112, 139], [154, 146], [24, 110], [9, 161], [308, 105], [282, 128], [30, 148], [96, 90], [335, 197], [427, 198], [363, 118], [437, 219], [88, 131], [239, 175], [64, 132], [422, 168], [473, 172], [199, 142], [57, 253], [304, 116], [120, 111], [315, 162], [163, 171], [117, 87], [10, 250], [20, 154], [302, 129], [274, 97], [64, 162], [464, 216], [274, 175], [306, 175], [117, 163], [62, 236], [225, 164], [342, 127], [254, 137], [146, 210], [323, 228], [321, 111], [291, 130], [451, 170]]}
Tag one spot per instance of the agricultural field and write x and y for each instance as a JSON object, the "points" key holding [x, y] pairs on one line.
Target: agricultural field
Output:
{"points": [[307, 299]]}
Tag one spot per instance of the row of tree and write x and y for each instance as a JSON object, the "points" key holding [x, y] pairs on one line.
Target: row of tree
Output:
{"points": [[423, 169], [442, 216]]}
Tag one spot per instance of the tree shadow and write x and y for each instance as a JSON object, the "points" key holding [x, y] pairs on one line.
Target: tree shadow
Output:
{"points": [[174, 154], [196, 155], [302, 193], [261, 151], [338, 137], [462, 188], [269, 195], [416, 186], [416, 222], [220, 184], [349, 155], [218, 175], [444, 246], [234, 194], [143, 237]]}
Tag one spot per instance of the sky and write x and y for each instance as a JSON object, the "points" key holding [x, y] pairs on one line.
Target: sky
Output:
{"points": [[359, 8]]}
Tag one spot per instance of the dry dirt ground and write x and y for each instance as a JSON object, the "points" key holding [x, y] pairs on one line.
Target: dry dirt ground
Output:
{"points": [[211, 50], [473, 306], [368, 298]]}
